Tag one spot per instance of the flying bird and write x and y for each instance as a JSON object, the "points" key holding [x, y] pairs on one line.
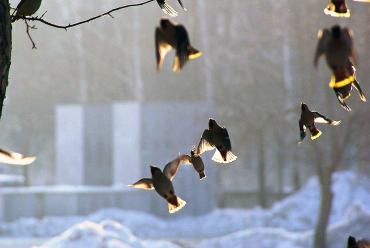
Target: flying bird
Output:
{"points": [[9, 157], [26, 8], [353, 243], [170, 35], [161, 182], [308, 120], [167, 9], [337, 46], [337, 8], [216, 137]]}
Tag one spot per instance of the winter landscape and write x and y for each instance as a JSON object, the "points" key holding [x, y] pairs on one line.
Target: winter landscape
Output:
{"points": [[95, 104]]}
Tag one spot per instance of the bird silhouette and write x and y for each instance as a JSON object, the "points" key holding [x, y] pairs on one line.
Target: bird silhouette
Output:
{"points": [[170, 35], [337, 46], [26, 8]]}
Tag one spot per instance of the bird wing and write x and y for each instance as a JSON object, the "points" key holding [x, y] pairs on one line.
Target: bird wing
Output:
{"points": [[14, 158], [302, 129], [172, 167], [182, 44], [182, 5], [319, 118], [167, 9], [144, 183], [205, 143], [161, 47], [323, 37], [348, 39]]}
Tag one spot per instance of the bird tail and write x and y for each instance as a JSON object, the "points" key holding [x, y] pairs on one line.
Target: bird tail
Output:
{"points": [[315, 133], [337, 10], [194, 53], [228, 158], [202, 175], [168, 10], [342, 78], [175, 203]]}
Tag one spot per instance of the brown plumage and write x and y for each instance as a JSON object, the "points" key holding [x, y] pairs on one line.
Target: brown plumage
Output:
{"points": [[216, 137], [337, 46], [161, 182], [170, 36]]}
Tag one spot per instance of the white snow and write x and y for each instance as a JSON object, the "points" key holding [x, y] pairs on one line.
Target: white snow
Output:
{"points": [[289, 223]]}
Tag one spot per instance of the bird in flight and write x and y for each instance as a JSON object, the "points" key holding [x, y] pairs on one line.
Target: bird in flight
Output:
{"points": [[170, 35], [161, 182], [337, 46], [308, 120], [14, 158], [353, 243], [337, 8], [216, 137]]}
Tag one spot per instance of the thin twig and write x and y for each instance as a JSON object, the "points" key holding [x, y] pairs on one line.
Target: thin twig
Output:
{"points": [[108, 13], [28, 27]]}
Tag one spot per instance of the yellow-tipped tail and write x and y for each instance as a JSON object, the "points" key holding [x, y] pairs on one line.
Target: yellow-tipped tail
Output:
{"points": [[173, 208], [338, 84], [313, 137], [331, 11], [195, 55]]}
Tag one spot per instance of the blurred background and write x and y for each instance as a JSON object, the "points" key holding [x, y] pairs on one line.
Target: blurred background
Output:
{"points": [[91, 105]]}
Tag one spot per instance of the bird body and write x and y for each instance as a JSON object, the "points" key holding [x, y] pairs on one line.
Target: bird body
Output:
{"points": [[26, 8], [197, 163], [216, 137], [337, 46], [308, 120], [170, 36], [14, 158]]}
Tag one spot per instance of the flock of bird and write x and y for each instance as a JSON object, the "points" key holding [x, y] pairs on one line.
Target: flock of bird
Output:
{"points": [[336, 44]]}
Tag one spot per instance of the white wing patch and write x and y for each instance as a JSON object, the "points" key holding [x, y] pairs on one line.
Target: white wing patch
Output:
{"points": [[16, 159], [321, 120], [230, 157], [173, 209]]}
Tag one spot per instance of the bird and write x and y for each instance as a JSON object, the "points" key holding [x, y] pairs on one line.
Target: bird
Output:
{"points": [[167, 9], [161, 182], [26, 8], [170, 35], [353, 243], [337, 8], [216, 137], [337, 46], [308, 120], [14, 158], [363, 1], [196, 161]]}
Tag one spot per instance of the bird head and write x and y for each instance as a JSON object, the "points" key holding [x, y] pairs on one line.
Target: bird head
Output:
{"points": [[304, 106], [211, 123], [164, 22], [336, 31], [352, 242], [154, 170]]}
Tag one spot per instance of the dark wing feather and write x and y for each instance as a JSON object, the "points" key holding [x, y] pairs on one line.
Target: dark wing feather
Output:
{"points": [[323, 37], [144, 183], [205, 143], [348, 38], [182, 44]]}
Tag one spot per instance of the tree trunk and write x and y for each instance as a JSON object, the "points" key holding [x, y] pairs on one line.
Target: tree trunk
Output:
{"points": [[325, 209], [5, 48], [261, 171]]}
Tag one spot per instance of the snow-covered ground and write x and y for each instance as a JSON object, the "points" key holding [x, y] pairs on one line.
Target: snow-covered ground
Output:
{"points": [[288, 224]]}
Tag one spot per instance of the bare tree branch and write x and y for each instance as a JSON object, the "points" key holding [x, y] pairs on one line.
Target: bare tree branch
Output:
{"points": [[108, 13], [28, 28]]}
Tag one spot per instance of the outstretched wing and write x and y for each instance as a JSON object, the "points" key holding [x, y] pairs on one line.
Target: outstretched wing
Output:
{"points": [[14, 158], [319, 118], [172, 167], [182, 5], [205, 143], [167, 9], [144, 183], [348, 38], [161, 47], [323, 37]]}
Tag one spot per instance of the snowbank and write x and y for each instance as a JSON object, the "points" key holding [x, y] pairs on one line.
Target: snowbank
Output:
{"points": [[289, 223], [109, 234]]}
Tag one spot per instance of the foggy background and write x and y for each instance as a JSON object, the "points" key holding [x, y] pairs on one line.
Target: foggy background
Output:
{"points": [[257, 68]]}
